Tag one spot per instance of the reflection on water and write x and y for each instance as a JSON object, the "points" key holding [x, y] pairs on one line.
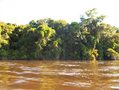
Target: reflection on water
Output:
{"points": [[59, 75]]}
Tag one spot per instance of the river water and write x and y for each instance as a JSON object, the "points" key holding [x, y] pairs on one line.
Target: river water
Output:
{"points": [[59, 75]]}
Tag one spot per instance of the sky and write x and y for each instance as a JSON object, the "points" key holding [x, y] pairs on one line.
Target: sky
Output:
{"points": [[23, 11]]}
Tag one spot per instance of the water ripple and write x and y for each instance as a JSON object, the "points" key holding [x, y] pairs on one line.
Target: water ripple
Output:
{"points": [[79, 84]]}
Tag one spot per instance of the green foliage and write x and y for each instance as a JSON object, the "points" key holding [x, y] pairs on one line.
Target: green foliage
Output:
{"points": [[112, 54], [56, 39]]}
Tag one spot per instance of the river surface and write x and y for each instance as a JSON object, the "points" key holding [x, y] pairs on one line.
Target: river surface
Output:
{"points": [[59, 75]]}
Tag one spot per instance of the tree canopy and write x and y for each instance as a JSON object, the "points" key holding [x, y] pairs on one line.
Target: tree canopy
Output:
{"points": [[88, 39]]}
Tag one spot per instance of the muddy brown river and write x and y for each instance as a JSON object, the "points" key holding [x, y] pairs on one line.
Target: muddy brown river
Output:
{"points": [[59, 75]]}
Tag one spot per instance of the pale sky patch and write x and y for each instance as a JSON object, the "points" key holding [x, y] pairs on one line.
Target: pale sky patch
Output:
{"points": [[23, 11]]}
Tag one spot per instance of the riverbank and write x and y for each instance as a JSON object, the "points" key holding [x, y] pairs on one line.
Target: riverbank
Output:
{"points": [[88, 39]]}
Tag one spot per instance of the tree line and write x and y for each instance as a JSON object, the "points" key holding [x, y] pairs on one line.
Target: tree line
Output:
{"points": [[88, 39]]}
